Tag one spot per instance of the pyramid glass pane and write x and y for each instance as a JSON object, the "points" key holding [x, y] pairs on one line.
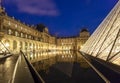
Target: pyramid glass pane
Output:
{"points": [[104, 43]]}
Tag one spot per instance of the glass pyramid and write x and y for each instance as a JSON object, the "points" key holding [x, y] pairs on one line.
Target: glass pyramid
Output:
{"points": [[104, 43]]}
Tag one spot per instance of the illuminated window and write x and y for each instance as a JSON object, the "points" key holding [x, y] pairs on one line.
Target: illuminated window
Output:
{"points": [[30, 36], [16, 33], [26, 35], [14, 45], [9, 23], [21, 45], [9, 31], [21, 28], [21, 34], [16, 26]]}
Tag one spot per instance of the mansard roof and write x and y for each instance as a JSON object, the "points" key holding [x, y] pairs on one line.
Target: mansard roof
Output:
{"points": [[84, 30], [40, 27]]}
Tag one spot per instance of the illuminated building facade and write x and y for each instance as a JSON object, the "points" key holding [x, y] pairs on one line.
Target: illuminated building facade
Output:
{"points": [[105, 41], [82, 38], [33, 40], [73, 43], [66, 43], [17, 36]]}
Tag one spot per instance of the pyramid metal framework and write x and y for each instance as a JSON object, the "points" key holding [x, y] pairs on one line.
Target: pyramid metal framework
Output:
{"points": [[104, 43], [3, 49]]}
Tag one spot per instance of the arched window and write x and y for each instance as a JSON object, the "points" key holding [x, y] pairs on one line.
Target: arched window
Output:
{"points": [[21, 34], [29, 36], [16, 33], [7, 43], [26, 45], [26, 35], [34, 46], [30, 46], [21, 45], [9, 31], [14, 45]]}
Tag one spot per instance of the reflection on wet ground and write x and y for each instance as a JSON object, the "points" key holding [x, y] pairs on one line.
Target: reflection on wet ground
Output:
{"points": [[67, 67], [6, 68]]}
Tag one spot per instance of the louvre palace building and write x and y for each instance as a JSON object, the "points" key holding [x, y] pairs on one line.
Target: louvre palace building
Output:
{"points": [[16, 36]]}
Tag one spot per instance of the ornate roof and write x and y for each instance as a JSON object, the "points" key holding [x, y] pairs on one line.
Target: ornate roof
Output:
{"points": [[84, 30]]}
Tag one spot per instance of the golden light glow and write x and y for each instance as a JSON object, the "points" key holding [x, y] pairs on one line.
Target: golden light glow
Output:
{"points": [[7, 44]]}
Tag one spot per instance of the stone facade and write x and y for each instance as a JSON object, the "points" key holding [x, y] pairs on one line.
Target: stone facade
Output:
{"points": [[16, 36], [73, 43]]}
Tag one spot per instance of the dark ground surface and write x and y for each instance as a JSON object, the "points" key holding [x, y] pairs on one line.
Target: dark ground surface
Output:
{"points": [[76, 74]]}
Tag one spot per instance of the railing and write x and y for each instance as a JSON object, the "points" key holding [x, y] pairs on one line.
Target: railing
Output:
{"points": [[95, 69], [25, 72], [37, 78], [107, 69]]}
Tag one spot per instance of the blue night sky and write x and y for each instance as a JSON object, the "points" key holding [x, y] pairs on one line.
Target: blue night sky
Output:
{"points": [[62, 17]]}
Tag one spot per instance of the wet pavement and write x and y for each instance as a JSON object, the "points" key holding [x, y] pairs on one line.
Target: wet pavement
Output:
{"points": [[6, 68], [65, 67], [22, 72]]}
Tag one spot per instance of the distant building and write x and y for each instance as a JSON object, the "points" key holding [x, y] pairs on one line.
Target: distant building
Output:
{"points": [[82, 38], [66, 43], [73, 43]]}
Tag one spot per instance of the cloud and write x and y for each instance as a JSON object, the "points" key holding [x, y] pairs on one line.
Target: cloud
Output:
{"points": [[37, 7]]}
